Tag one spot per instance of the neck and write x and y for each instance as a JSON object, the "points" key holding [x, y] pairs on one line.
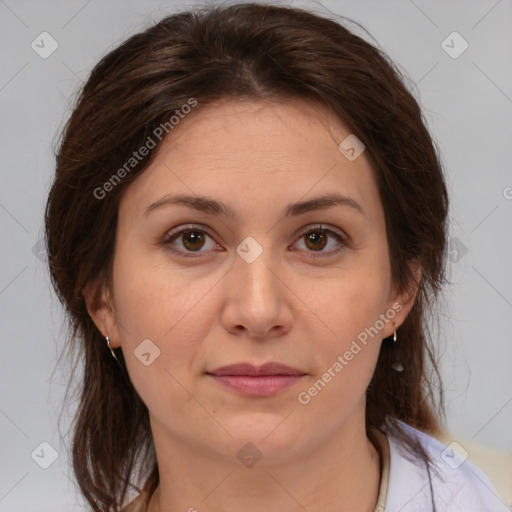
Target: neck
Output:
{"points": [[338, 476]]}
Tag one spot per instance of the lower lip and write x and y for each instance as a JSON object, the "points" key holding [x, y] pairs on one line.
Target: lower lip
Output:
{"points": [[262, 385]]}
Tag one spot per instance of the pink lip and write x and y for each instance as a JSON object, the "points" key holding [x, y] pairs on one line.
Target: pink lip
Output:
{"points": [[266, 380]]}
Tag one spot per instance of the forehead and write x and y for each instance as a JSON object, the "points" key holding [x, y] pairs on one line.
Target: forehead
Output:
{"points": [[265, 129], [249, 153]]}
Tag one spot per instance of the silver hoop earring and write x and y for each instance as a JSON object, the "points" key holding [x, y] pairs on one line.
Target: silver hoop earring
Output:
{"points": [[112, 351], [397, 366]]}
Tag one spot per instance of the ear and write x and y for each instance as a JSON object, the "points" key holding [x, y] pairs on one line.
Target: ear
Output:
{"points": [[100, 306], [402, 302]]}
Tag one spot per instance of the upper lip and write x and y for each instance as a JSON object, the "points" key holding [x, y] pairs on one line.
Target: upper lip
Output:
{"points": [[249, 369]]}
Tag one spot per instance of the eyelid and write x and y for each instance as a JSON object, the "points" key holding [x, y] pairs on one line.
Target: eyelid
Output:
{"points": [[320, 227], [187, 227]]}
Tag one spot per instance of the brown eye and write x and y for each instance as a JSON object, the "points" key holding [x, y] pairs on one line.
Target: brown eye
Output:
{"points": [[193, 240], [316, 240], [190, 241]]}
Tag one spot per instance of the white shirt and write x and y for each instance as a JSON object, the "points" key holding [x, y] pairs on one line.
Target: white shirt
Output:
{"points": [[455, 484]]}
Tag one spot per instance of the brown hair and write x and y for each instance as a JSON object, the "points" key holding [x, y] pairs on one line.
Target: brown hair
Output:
{"points": [[259, 52]]}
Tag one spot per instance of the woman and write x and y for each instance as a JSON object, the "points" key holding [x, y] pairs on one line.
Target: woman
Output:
{"points": [[247, 228]]}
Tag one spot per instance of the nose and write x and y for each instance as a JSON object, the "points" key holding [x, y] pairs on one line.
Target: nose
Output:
{"points": [[257, 299]]}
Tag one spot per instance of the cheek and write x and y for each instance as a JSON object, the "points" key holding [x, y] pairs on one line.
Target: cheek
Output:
{"points": [[169, 307], [348, 308], [353, 298], [353, 334], [152, 297], [346, 353]]}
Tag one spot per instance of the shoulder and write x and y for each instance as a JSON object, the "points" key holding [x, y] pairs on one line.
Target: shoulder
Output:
{"points": [[450, 483]]}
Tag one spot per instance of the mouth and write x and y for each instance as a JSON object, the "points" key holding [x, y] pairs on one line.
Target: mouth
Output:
{"points": [[247, 379]]}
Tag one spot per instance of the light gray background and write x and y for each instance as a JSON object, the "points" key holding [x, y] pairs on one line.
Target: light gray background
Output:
{"points": [[468, 105]]}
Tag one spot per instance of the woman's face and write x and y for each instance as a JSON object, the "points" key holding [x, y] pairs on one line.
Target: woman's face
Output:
{"points": [[262, 273]]}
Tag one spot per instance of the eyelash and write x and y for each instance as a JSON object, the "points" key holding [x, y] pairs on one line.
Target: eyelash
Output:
{"points": [[173, 235]]}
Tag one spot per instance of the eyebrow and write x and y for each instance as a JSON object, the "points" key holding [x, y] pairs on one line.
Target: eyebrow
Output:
{"points": [[213, 207]]}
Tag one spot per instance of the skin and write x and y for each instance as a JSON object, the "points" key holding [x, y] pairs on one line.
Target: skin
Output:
{"points": [[287, 306]]}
